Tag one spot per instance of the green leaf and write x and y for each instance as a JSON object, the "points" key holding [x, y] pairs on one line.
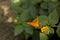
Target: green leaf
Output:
{"points": [[58, 30], [18, 30], [16, 2], [44, 5], [43, 12], [35, 1], [58, 9], [52, 6], [25, 16], [26, 35], [33, 11], [17, 9], [25, 4], [18, 23], [38, 1], [43, 20], [16, 6], [43, 36], [46, 0], [51, 31], [53, 18], [28, 29], [54, 0]]}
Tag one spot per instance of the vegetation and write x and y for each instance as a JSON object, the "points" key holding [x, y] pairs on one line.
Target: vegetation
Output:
{"points": [[39, 16]]}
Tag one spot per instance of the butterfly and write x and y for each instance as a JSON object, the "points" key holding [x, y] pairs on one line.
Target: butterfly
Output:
{"points": [[35, 24]]}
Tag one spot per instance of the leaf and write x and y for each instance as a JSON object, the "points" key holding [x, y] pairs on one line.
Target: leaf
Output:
{"points": [[17, 9], [26, 35], [44, 5], [54, 0], [58, 9], [43, 20], [16, 6], [35, 1], [51, 31], [33, 11], [43, 12], [25, 16], [52, 6], [58, 30], [18, 30], [43, 36], [19, 23], [38, 1], [25, 4], [53, 18], [28, 29], [46, 0], [16, 2]]}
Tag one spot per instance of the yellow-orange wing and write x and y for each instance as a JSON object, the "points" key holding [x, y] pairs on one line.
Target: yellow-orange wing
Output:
{"points": [[35, 24]]}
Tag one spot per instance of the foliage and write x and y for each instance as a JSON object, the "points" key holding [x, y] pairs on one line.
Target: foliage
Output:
{"points": [[58, 30], [43, 36], [46, 11]]}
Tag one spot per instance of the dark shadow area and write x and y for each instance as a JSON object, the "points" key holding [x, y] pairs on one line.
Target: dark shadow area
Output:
{"points": [[55, 36]]}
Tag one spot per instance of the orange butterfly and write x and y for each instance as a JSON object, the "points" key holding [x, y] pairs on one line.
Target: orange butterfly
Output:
{"points": [[35, 24]]}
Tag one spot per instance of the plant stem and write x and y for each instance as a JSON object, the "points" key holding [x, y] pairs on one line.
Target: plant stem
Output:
{"points": [[36, 35]]}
